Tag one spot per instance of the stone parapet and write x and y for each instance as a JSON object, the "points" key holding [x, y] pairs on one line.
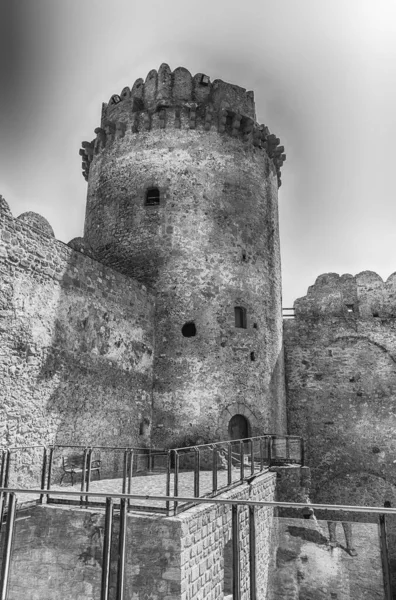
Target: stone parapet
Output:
{"points": [[177, 100]]}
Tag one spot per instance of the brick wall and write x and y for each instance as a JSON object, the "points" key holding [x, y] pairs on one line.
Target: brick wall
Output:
{"points": [[206, 531], [76, 343]]}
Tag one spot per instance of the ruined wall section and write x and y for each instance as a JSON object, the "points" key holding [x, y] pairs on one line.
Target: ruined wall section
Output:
{"points": [[340, 361], [76, 343]]}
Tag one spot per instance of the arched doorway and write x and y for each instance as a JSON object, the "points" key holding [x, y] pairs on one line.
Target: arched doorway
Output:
{"points": [[238, 427]]}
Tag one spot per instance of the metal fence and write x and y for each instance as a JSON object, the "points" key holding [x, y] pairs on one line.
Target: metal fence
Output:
{"points": [[208, 469], [197, 471], [8, 510]]}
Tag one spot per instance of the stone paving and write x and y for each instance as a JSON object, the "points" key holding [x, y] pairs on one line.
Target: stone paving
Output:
{"points": [[149, 484]]}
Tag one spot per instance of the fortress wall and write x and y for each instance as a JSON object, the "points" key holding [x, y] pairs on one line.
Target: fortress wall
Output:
{"points": [[76, 343], [341, 385], [167, 558]]}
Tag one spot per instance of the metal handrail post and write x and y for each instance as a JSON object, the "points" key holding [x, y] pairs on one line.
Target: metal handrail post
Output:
{"points": [[168, 472], [130, 474], [236, 585], [385, 558], [176, 479], [197, 465], [252, 552], [269, 450], [10, 528], [251, 458], [242, 460], [214, 469], [124, 469], [104, 595], [261, 454], [3, 454], [121, 550], [43, 474], [229, 463], [88, 478], [50, 461], [84, 470], [3, 500], [7, 468]]}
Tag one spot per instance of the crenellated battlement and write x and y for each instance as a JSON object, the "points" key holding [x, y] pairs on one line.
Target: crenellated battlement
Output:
{"points": [[177, 100], [164, 88], [364, 296]]}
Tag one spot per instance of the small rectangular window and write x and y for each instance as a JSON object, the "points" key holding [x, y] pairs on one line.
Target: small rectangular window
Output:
{"points": [[152, 197], [349, 308], [240, 317]]}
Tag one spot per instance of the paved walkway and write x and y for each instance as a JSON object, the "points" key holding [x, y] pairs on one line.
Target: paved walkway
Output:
{"points": [[148, 484]]}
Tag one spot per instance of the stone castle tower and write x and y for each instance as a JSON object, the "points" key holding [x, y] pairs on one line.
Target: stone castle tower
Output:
{"points": [[182, 196]]}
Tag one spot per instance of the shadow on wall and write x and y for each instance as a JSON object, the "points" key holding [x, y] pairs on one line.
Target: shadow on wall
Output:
{"points": [[78, 343], [322, 560]]}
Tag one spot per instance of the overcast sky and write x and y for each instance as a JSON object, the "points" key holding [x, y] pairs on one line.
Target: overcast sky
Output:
{"points": [[324, 77]]}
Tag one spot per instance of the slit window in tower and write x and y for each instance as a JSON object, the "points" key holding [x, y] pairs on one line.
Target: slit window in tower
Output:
{"points": [[349, 308], [152, 197], [240, 317]]}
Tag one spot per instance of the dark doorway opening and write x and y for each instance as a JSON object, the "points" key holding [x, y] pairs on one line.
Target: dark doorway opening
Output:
{"points": [[238, 427]]}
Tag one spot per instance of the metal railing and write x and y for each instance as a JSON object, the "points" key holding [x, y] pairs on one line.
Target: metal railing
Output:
{"points": [[8, 498], [288, 313], [222, 465], [198, 471]]}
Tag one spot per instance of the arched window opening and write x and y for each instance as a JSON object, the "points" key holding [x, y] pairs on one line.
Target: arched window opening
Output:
{"points": [[189, 329], [228, 571], [240, 317], [152, 196], [238, 427]]}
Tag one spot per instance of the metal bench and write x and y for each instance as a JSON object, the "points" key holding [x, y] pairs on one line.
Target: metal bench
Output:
{"points": [[73, 465]]}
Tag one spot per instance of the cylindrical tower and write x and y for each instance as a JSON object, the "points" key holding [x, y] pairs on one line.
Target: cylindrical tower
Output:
{"points": [[182, 195]]}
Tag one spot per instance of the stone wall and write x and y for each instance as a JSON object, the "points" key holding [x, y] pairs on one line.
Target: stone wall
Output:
{"points": [[341, 382], [340, 355], [206, 531], [76, 343], [309, 567], [58, 551]]}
